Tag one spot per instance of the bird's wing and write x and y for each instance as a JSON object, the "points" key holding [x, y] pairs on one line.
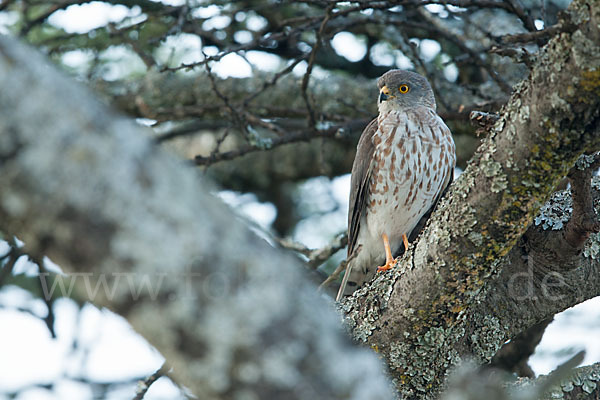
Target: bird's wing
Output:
{"points": [[421, 224], [361, 173]]}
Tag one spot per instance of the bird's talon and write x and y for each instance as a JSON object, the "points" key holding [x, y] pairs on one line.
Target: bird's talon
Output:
{"points": [[387, 266]]}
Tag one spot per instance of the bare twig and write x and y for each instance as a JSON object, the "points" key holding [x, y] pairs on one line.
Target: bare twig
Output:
{"points": [[483, 120], [48, 300], [220, 141], [539, 37], [475, 56], [311, 62], [274, 80], [145, 384], [518, 55], [293, 137], [7, 263], [517, 9], [423, 69], [265, 124], [238, 118], [51, 10], [262, 39], [190, 129], [316, 256], [8, 260]]}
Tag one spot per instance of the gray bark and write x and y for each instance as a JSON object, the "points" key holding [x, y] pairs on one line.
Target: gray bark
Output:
{"points": [[469, 383], [583, 383]]}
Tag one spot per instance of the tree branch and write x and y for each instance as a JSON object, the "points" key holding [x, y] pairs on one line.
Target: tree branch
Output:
{"points": [[448, 298], [513, 356], [470, 383], [144, 385]]}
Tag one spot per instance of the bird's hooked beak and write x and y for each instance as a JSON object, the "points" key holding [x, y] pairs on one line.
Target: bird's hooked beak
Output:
{"points": [[384, 94]]}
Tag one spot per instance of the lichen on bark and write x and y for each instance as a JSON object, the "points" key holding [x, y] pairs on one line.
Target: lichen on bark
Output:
{"points": [[437, 310]]}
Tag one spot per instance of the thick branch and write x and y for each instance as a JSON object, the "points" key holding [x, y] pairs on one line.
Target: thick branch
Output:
{"points": [[579, 383], [437, 304], [566, 382]]}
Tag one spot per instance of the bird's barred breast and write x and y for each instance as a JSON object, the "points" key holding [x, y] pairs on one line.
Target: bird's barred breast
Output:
{"points": [[414, 156]]}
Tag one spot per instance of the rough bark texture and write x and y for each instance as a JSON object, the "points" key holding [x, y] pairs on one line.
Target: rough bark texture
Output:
{"points": [[472, 383], [450, 296], [582, 384], [232, 315]]}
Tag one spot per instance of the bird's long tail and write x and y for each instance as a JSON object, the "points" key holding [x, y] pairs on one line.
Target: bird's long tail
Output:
{"points": [[340, 293]]}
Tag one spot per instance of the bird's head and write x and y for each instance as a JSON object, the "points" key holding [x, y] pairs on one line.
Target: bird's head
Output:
{"points": [[401, 90]]}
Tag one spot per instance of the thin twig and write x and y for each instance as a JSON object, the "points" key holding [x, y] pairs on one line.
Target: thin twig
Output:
{"points": [[520, 56], [145, 384], [539, 37], [436, 25], [265, 124], [190, 129], [424, 70], [316, 257], [274, 80], [519, 11], [311, 61], [293, 137], [220, 141], [46, 14], [236, 115], [483, 120], [48, 300], [8, 260]]}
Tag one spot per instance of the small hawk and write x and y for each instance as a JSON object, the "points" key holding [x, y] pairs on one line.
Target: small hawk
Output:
{"points": [[404, 162]]}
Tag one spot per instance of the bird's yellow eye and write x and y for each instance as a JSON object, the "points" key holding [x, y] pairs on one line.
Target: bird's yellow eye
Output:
{"points": [[403, 89]]}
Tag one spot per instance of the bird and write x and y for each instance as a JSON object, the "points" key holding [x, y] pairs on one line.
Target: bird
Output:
{"points": [[404, 162]]}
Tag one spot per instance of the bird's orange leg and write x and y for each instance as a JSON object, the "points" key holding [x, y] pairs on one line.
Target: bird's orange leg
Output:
{"points": [[390, 261]]}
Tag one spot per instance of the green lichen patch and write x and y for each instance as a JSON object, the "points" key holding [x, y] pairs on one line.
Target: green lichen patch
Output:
{"points": [[556, 212], [585, 379], [493, 169], [363, 309], [592, 247]]}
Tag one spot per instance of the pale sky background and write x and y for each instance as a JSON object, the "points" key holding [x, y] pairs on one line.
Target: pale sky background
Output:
{"points": [[107, 349]]}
